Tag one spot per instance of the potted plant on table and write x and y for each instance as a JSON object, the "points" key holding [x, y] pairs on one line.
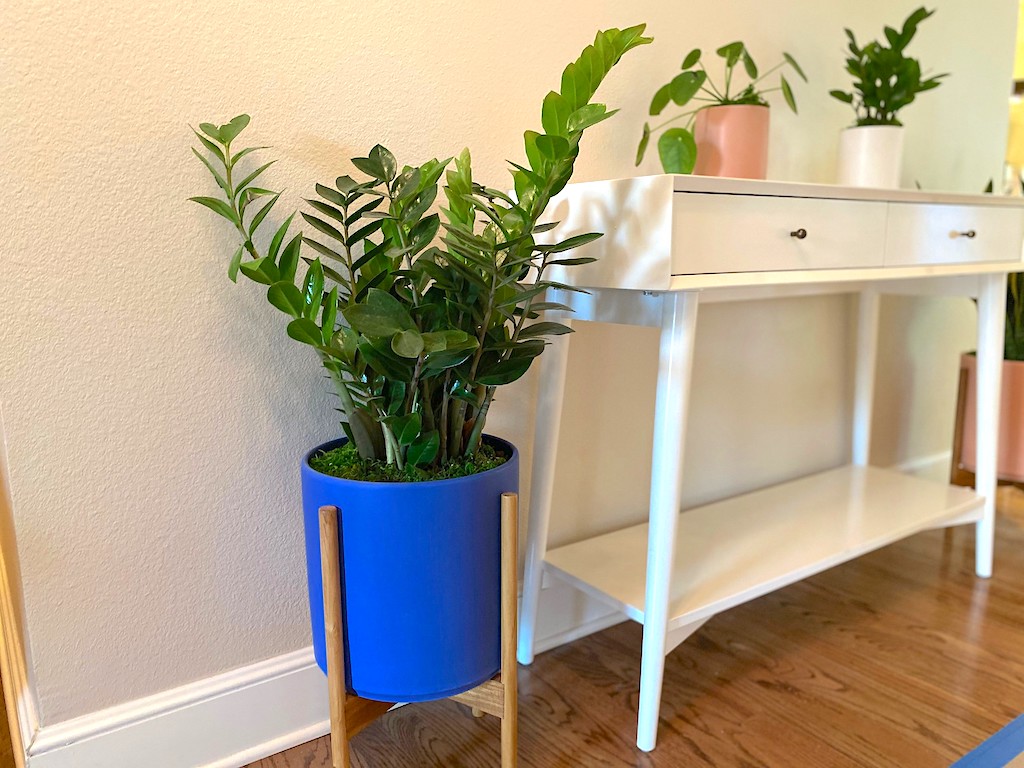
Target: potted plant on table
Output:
{"points": [[1010, 461], [885, 81], [727, 134], [417, 317]]}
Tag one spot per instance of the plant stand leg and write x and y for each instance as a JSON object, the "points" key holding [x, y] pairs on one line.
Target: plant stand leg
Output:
{"points": [[350, 714], [330, 565], [509, 666], [678, 326], [991, 326]]}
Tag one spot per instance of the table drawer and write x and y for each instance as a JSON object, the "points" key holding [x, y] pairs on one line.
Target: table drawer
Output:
{"points": [[748, 233], [927, 233]]}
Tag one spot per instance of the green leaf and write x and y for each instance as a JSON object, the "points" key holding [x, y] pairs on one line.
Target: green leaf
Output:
{"points": [[685, 86], [438, 341], [787, 92], [236, 261], [323, 226], [731, 53], [261, 270], [313, 290], [261, 214], [252, 176], [677, 150], [552, 147], [216, 175], [645, 138], [212, 131], [406, 428], [328, 210], [691, 58], [846, 98], [286, 297], [305, 330], [574, 262], [796, 67], [661, 99], [588, 115], [749, 65], [504, 372], [379, 316], [239, 155], [408, 343], [217, 206], [554, 114], [217, 151], [546, 328], [424, 449], [232, 129], [569, 243], [329, 320], [275, 242], [386, 160]]}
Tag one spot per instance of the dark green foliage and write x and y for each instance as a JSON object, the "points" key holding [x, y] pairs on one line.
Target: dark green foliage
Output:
{"points": [[418, 316], [1014, 349], [677, 149], [345, 462], [885, 80]]}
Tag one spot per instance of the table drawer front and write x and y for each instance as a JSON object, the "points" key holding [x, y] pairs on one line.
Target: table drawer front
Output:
{"points": [[747, 233], [921, 233]]}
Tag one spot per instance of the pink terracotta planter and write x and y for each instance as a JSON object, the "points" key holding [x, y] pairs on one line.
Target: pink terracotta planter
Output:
{"points": [[1011, 420], [732, 140]]}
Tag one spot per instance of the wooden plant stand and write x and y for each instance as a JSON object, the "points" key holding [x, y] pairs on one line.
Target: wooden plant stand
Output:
{"points": [[497, 697]]}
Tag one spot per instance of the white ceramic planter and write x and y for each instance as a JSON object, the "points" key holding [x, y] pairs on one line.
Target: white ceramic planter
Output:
{"points": [[871, 156]]}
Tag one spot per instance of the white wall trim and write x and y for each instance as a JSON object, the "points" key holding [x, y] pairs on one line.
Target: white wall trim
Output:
{"points": [[18, 691], [225, 721]]}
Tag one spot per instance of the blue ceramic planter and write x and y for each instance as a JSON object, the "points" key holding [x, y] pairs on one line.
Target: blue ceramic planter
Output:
{"points": [[421, 579]]}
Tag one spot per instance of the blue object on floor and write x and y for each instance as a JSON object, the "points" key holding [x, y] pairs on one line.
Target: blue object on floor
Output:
{"points": [[997, 750], [421, 578]]}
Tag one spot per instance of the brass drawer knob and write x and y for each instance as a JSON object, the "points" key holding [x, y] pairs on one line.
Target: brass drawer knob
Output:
{"points": [[801, 233]]}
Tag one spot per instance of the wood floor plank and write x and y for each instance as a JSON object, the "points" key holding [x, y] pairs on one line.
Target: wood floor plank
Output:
{"points": [[901, 658]]}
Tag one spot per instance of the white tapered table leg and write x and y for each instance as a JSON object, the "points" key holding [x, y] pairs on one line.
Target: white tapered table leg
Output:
{"points": [[991, 325], [551, 392], [679, 320], [864, 378]]}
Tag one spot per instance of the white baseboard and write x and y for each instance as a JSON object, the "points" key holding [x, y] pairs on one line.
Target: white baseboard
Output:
{"points": [[239, 717], [225, 721]]}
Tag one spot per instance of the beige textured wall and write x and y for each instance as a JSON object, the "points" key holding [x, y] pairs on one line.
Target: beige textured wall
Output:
{"points": [[154, 413]]}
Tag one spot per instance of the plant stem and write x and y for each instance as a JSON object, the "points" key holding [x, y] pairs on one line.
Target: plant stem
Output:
{"points": [[711, 85], [677, 117]]}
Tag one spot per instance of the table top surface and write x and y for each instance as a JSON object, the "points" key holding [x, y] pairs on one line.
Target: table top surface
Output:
{"points": [[718, 185]]}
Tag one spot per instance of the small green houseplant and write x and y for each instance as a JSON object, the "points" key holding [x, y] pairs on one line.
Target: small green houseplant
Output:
{"points": [[885, 81], [417, 316], [678, 146]]}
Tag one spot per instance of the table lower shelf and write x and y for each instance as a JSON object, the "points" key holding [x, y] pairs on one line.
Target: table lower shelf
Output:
{"points": [[738, 549]]}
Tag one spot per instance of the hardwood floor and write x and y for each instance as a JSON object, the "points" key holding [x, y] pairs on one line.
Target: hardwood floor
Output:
{"points": [[902, 658]]}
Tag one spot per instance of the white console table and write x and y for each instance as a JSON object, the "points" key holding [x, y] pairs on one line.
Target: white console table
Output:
{"points": [[674, 242]]}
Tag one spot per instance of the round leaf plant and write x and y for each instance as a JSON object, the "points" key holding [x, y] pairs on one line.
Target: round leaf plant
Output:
{"points": [[677, 148]]}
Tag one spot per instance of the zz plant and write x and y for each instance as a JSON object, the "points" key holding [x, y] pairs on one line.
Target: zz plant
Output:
{"points": [[677, 148], [885, 79], [418, 316]]}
